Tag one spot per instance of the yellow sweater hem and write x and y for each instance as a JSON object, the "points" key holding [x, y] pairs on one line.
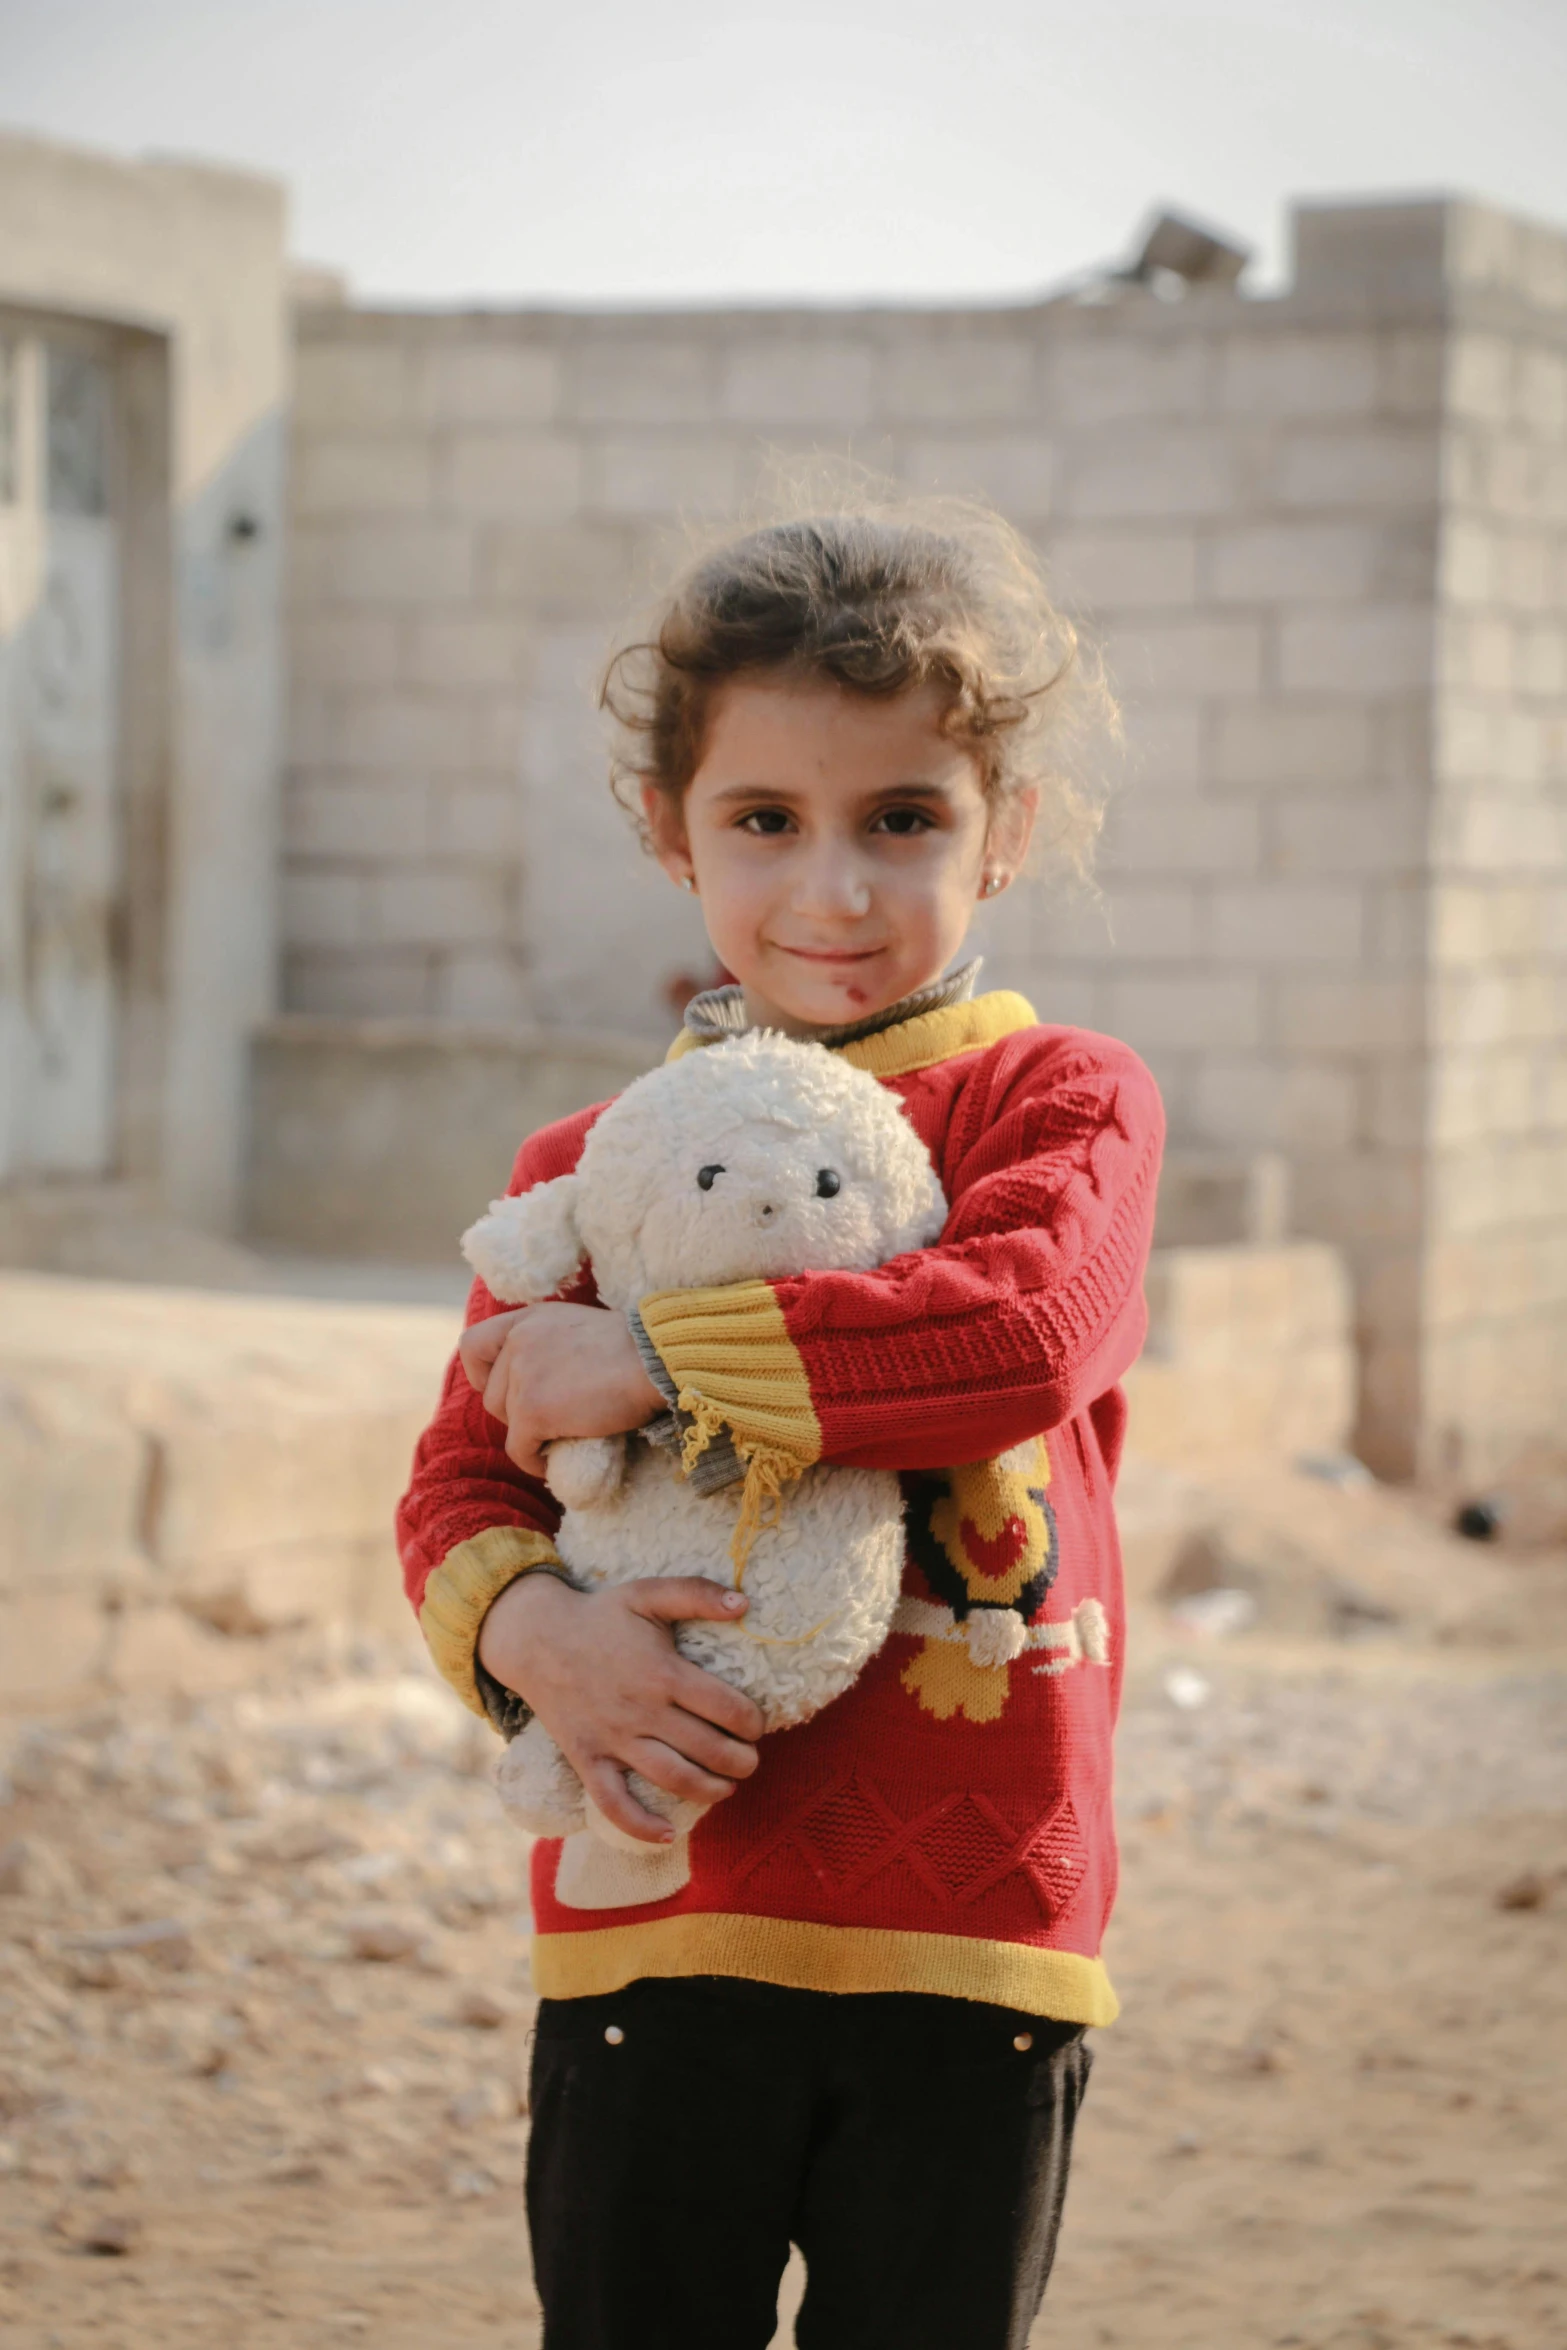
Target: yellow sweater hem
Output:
{"points": [[1060, 1984]]}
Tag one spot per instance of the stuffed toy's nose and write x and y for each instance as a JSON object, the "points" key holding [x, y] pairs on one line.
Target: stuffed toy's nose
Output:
{"points": [[764, 1211]]}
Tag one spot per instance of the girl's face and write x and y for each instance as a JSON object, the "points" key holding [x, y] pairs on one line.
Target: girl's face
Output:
{"points": [[838, 844]]}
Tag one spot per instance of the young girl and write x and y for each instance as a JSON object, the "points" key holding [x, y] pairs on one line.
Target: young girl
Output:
{"points": [[860, 2026]]}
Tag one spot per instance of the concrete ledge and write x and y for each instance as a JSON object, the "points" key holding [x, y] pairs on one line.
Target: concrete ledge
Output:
{"points": [[385, 1138], [187, 1477]]}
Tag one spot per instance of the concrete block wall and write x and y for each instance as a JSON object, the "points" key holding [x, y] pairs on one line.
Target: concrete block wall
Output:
{"points": [[1495, 1276], [1260, 505]]}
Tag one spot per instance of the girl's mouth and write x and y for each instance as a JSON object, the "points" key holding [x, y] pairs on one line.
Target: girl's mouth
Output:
{"points": [[844, 957]]}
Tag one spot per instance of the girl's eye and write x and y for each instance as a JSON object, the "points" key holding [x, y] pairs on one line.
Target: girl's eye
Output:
{"points": [[767, 821], [827, 1183], [705, 1176], [903, 822]]}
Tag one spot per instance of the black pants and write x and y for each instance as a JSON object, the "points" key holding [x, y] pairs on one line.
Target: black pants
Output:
{"points": [[684, 2132]]}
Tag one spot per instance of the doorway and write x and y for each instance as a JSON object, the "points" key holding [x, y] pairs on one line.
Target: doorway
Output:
{"points": [[61, 798]]}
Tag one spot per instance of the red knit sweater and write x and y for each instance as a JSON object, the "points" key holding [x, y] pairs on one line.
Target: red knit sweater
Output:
{"points": [[946, 1824]]}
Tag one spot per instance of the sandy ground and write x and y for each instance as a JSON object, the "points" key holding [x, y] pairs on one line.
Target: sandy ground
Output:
{"points": [[264, 2000]]}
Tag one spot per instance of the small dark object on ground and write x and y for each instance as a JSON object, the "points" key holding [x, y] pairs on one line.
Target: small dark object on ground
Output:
{"points": [[1478, 1521], [1530, 1891]]}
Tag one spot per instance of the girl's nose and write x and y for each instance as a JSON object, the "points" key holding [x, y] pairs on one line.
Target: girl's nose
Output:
{"points": [[831, 886]]}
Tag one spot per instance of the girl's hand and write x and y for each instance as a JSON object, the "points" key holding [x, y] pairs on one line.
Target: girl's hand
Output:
{"points": [[601, 1671], [556, 1370]]}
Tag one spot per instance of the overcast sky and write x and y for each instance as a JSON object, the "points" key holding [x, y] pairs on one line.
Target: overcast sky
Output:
{"points": [[442, 150]]}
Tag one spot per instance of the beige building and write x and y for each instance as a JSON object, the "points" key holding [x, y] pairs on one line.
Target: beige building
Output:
{"points": [[143, 389], [1325, 536]]}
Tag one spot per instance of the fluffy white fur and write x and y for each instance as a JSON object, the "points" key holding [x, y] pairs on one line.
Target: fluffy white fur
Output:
{"points": [[822, 1583]]}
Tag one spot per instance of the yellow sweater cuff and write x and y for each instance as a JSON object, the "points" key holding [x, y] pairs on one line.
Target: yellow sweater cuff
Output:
{"points": [[730, 1348], [462, 1590]]}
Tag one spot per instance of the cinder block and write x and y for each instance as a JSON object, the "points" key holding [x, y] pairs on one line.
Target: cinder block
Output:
{"points": [[1478, 652], [621, 377], [489, 984], [795, 380], [1481, 921], [1480, 372], [1165, 746], [1155, 831], [1387, 466], [363, 473], [1477, 1006], [359, 982], [1540, 665], [1471, 561], [1377, 256], [1266, 745], [1412, 371], [1148, 924], [323, 908], [487, 383], [453, 651], [1495, 834], [1124, 571], [1540, 389], [1198, 657], [444, 905], [1525, 571], [590, 567], [1494, 745], [1286, 922], [351, 386], [1371, 833], [332, 648], [1352, 1017], [345, 817], [661, 474], [1145, 474], [478, 820], [1092, 376], [1015, 470], [1370, 649], [1265, 373], [530, 475], [1247, 1101], [927, 376], [1396, 924], [391, 733], [398, 563], [1199, 1011], [1292, 563]]}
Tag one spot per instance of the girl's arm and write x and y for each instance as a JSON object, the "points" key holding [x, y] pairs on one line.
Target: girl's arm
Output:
{"points": [[1027, 1311]]}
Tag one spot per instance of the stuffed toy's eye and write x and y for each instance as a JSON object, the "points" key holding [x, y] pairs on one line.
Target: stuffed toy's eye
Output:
{"points": [[705, 1175], [827, 1183]]}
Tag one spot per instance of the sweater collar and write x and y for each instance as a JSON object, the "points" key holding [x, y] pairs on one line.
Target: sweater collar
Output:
{"points": [[935, 1023], [720, 1011]]}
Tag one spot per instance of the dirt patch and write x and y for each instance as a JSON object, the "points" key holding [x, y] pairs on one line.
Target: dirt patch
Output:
{"points": [[266, 2001]]}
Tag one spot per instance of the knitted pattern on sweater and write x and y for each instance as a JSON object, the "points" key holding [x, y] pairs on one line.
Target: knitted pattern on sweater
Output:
{"points": [[945, 1825]]}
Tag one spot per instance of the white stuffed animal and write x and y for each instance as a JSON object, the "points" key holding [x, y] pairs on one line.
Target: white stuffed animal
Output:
{"points": [[747, 1160]]}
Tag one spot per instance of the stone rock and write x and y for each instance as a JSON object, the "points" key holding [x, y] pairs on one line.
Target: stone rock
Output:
{"points": [[481, 2009], [486, 2101], [108, 2234], [35, 1870], [164, 1940], [379, 1935]]}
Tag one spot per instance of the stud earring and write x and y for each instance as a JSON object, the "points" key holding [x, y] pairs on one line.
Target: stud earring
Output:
{"points": [[990, 885], [688, 881]]}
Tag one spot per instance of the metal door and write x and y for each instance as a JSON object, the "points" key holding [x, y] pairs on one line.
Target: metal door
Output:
{"points": [[59, 814]]}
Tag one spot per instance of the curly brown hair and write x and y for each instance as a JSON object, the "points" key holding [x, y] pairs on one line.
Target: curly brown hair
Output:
{"points": [[879, 594]]}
